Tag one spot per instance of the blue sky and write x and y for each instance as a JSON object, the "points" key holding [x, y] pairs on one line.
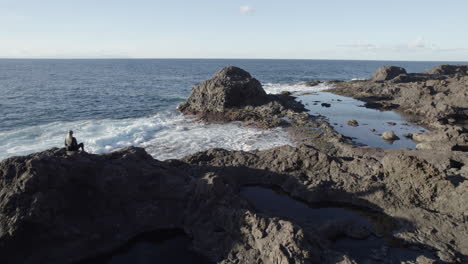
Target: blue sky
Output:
{"points": [[295, 29]]}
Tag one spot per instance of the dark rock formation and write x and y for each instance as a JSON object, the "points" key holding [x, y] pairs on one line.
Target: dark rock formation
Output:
{"points": [[385, 73], [389, 135], [312, 83], [62, 209], [229, 88], [411, 186], [57, 208], [353, 123], [234, 95], [449, 69], [437, 99]]}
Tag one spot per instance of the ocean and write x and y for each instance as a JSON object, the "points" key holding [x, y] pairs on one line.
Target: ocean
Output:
{"points": [[115, 103]]}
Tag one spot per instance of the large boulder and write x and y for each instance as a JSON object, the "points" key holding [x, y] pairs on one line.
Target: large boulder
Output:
{"points": [[231, 87], [58, 208], [386, 73], [234, 95], [447, 69]]}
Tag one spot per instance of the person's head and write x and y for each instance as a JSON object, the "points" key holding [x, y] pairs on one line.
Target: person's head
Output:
{"points": [[70, 132]]}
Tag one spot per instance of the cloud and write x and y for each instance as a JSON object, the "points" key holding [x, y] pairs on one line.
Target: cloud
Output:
{"points": [[246, 9], [418, 43], [359, 45]]}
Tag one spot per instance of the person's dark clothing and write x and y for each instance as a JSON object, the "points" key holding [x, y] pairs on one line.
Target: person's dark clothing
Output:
{"points": [[74, 145]]}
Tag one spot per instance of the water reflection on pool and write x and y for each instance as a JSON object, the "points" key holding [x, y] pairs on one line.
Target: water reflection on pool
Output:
{"points": [[342, 109]]}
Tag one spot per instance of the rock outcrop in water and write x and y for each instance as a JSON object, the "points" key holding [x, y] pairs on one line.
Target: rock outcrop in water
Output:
{"points": [[234, 95], [229, 88]]}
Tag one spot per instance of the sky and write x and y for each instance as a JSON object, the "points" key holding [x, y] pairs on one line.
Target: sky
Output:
{"points": [[272, 29]]}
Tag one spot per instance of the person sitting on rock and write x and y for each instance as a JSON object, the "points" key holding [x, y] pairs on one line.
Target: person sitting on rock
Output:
{"points": [[71, 144]]}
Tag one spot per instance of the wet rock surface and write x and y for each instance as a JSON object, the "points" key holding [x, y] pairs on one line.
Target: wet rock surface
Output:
{"points": [[389, 135], [437, 99], [234, 95], [353, 123]]}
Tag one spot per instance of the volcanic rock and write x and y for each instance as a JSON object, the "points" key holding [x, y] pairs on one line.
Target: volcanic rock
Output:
{"points": [[437, 100], [62, 209], [234, 95], [353, 123], [449, 69], [410, 185], [389, 135], [65, 209], [385, 73], [312, 83], [229, 88]]}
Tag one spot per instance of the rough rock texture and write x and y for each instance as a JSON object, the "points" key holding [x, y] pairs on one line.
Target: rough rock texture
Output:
{"points": [[61, 209], [257, 108], [57, 208], [353, 123], [385, 73], [438, 100], [422, 191], [234, 95], [230, 87], [389, 135], [449, 69]]}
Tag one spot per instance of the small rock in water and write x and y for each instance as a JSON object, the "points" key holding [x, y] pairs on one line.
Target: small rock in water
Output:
{"points": [[353, 123], [391, 123], [389, 135], [339, 100], [312, 83], [325, 105], [372, 130], [408, 135]]}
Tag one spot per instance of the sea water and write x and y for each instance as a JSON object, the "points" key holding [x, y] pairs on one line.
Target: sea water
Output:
{"points": [[115, 103]]}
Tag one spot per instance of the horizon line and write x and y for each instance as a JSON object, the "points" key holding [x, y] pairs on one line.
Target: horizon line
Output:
{"points": [[162, 58]]}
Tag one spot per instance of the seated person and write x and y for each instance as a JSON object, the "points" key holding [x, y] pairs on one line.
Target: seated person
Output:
{"points": [[71, 144]]}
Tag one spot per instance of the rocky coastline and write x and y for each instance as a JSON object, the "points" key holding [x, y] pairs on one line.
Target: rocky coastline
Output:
{"points": [[437, 99], [57, 207]]}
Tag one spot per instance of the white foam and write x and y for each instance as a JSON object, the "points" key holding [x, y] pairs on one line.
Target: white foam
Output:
{"points": [[275, 88], [164, 135]]}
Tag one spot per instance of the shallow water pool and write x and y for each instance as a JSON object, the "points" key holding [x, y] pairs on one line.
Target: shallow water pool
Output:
{"points": [[372, 123]]}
